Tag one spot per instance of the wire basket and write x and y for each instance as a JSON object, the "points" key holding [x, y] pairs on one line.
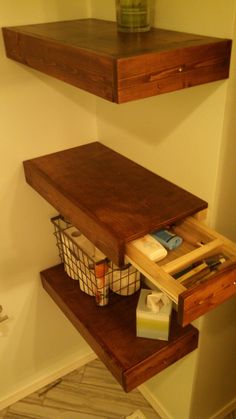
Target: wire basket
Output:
{"points": [[96, 274]]}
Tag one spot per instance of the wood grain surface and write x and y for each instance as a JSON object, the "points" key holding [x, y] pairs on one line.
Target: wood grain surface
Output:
{"points": [[111, 199], [92, 55], [111, 331], [203, 297]]}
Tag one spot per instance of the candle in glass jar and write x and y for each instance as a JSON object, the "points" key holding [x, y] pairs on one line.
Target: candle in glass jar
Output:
{"points": [[133, 15]]}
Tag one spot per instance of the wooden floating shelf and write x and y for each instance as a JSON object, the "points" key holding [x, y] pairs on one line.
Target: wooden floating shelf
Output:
{"points": [[92, 55], [111, 331], [109, 198]]}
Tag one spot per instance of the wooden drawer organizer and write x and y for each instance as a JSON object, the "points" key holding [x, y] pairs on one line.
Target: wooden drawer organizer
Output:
{"points": [[192, 297], [113, 201]]}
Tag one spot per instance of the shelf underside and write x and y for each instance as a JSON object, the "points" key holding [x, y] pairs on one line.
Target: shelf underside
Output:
{"points": [[111, 331], [92, 55]]}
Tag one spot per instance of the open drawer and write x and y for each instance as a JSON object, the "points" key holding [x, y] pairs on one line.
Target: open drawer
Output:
{"points": [[184, 274]]}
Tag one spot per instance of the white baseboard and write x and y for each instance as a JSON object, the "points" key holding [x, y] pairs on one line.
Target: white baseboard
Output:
{"points": [[48, 379], [162, 412], [225, 410], [157, 406]]}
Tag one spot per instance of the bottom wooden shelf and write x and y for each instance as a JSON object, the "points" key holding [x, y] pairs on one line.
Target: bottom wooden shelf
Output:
{"points": [[111, 331]]}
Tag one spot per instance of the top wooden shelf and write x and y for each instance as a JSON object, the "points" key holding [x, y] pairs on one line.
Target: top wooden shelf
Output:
{"points": [[92, 55]]}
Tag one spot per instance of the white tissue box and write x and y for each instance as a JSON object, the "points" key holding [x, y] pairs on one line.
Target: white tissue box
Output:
{"points": [[153, 319]]}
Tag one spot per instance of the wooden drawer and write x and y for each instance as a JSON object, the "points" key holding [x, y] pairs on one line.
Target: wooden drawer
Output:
{"points": [[205, 290]]}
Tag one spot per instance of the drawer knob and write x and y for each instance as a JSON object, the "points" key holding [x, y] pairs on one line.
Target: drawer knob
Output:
{"points": [[234, 282]]}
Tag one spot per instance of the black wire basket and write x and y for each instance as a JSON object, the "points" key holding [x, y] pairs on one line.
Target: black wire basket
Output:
{"points": [[97, 275]]}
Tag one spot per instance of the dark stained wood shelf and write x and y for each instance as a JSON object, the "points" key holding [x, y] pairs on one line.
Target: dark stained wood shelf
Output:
{"points": [[111, 331], [111, 199], [93, 56]]}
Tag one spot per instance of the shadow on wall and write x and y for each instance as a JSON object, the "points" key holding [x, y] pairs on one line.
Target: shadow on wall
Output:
{"points": [[37, 335], [19, 75], [152, 120], [28, 241], [41, 11], [226, 199]]}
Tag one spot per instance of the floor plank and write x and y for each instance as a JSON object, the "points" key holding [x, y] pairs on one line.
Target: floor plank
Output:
{"points": [[90, 392]]}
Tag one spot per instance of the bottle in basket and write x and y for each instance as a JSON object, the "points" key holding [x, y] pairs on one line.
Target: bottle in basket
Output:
{"points": [[102, 283]]}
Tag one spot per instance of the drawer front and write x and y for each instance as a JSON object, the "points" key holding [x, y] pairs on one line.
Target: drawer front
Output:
{"points": [[193, 303], [198, 294], [166, 71]]}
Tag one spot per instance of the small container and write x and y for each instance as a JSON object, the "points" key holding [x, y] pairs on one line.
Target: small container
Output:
{"points": [[124, 281], [167, 238], [102, 284], [133, 15], [153, 320]]}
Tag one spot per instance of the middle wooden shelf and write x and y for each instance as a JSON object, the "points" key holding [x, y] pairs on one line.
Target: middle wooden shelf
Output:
{"points": [[114, 201], [108, 197]]}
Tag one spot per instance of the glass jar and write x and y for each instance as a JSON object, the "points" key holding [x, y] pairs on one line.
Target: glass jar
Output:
{"points": [[133, 15]]}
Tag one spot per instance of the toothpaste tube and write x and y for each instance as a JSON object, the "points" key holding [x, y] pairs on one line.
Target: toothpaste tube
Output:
{"points": [[168, 239]]}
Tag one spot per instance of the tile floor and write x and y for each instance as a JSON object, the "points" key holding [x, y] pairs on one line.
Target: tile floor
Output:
{"points": [[90, 392]]}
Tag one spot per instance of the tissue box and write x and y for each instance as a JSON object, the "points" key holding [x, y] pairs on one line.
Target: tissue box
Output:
{"points": [[153, 318]]}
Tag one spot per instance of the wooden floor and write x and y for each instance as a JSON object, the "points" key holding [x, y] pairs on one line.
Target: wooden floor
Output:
{"points": [[90, 392]]}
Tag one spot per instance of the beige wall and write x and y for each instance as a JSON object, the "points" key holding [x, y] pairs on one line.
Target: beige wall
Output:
{"points": [[216, 368], [38, 115], [186, 136], [189, 138], [163, 138], [226, 196]]}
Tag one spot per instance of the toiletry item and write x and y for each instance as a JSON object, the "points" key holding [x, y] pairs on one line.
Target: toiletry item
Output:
{"points": [[75, 237], [156, 301], [199, 270], [168, 239], [102, 284], [214, 261], [78, 252], [214, 264], [133, 15], [124, 281], [153, 315], [150, 247], [179, 274]]}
